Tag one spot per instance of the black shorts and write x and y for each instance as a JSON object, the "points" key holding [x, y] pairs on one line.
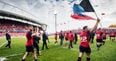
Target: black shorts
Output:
{"points": [[85, 49], [35, 45], [29, 49], [104, 38], [99, 40], [112, 36], [66, 38]]}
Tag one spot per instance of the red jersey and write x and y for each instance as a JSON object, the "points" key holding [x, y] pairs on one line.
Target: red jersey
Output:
{"points": [[84, 37], [71, 36], [29, 39], [67, 36], [112, 34], [99, 34], [104, 35]]}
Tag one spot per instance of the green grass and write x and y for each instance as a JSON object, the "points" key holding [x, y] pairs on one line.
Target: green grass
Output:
{"points": [[58, 53]]}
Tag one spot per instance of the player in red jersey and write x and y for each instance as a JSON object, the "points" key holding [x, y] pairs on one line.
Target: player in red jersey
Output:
{"points": [[112, 36], [85, 40], [99, 38], [104, 37], [71, 39], [66, 38], [29, 46]]}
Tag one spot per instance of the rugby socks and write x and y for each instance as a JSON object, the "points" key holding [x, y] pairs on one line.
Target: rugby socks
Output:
{"points": [[79, 59], [98, 46], [88, 59], [23, 59], [38, 53], [35, 59], [103, 42]]}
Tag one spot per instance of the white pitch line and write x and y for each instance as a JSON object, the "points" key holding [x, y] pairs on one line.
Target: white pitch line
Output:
{"points": [[3, 44], [5, 58], [14, 55]]}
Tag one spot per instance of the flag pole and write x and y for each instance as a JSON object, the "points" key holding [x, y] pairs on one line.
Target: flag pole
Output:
{"points": [[97, 17], [95, 13]]}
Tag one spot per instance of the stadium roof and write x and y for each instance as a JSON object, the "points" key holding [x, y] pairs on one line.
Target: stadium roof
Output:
{"points": [[9, 15]]}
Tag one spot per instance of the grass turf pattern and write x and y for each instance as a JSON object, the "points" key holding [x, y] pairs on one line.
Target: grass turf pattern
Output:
{"points": [[58, 53]]}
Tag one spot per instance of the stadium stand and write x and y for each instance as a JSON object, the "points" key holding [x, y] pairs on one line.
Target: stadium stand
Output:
{"points": [[13, 26], [17, 24]]}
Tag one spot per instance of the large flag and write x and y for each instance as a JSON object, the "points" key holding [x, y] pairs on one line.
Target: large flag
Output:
{"points": [[87, 6], [81, 17], [78, 9]]}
